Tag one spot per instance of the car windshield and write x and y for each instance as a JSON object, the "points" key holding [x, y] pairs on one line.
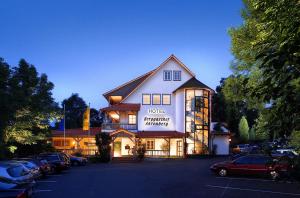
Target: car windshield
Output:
{"points": [[17, 171], [52, 157]]}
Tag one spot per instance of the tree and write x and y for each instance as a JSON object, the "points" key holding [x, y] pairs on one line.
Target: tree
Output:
{"points": [[244, 129], [295, 140], [262, 128], [266, 68], [28, 106], [230, 110], [252, 134], [75, 107], [103, 141], [96, 118]]}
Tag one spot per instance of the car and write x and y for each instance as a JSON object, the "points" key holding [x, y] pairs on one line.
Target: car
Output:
{"points": [[44, 166], [20, 191], [14, 174], [32, 167], [241, 148], [77, 161], [259, 165], [57, 161]]}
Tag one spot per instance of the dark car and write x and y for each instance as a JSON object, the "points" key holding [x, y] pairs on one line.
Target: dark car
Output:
{"points": [[57, 161], [259, 165], [78, 161]]}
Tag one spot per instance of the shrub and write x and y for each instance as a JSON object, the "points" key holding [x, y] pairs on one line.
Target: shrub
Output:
{"points": [[103, 141], [141, 152], [244, 129]]}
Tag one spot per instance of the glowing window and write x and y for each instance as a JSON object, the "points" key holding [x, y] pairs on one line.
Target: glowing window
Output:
{"points": [[166, 99], [156, 99], [146, 99], [150, 145], [132, 119]]}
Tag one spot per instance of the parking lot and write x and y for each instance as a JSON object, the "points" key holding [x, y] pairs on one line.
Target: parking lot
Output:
{"points": [[159, 178]]}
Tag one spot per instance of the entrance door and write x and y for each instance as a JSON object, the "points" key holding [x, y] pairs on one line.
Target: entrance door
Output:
{"points": [[179, 148], [117, 149]]}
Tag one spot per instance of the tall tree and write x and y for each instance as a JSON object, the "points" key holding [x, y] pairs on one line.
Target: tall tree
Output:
{"points": [[266, 69], [75, 107], [244, 129], [30, 107]]}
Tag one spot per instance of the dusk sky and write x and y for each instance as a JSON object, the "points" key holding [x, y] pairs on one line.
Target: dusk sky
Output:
{"points": [[89, 47]]}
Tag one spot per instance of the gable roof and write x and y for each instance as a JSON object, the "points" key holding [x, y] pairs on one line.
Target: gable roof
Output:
{"points": [[128, 88], [193, 83]]}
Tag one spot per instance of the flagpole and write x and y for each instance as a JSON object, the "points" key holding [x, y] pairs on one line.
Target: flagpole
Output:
{"points": [[64, 128], [89, 126]]}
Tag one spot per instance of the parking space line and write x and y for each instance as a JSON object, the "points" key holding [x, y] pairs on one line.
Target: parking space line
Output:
{"points": [[37, 191], [246, 179], [253, 190], [54, 175], [46, 181]]}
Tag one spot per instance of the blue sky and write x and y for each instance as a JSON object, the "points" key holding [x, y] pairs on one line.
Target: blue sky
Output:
{"points": [[91, 46]]}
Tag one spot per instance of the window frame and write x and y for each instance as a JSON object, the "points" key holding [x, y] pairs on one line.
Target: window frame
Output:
{"points": [[152, 146], [175, 71], [135, 121], [169, 71], [162, 97], [159, 98], [149, 98]]}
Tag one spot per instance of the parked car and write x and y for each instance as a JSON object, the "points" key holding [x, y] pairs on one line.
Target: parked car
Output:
{"points": [[77, 161], [241, 148], [14, 174], [33, 168], [20, 191], [44, 166], [260, 165], [57, 161], [289, 152]]}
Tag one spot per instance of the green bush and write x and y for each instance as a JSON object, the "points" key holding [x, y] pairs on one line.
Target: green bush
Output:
{"points": [[141, 152]]}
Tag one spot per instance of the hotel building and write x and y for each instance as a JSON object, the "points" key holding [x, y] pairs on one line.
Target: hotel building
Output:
{"points": [[167, 110]]}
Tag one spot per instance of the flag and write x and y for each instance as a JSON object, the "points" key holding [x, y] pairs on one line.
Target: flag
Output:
{"points": [[86, 120], [61, 125]]}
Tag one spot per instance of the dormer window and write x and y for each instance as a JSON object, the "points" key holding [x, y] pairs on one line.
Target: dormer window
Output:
{"points": [[167, 75], [177, 75]]}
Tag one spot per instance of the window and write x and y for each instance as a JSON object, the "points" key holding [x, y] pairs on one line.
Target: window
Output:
{"points": [[177, 75], [167, 75], [243, 160], [166, 99], [132, 119], [150, 145], [61, 142], [156, 99], [146, 99]]}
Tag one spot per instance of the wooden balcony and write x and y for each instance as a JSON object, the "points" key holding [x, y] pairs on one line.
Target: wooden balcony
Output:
{"points": [[107, 127]]}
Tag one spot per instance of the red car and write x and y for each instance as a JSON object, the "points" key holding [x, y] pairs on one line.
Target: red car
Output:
{"points": [[261, 165]]}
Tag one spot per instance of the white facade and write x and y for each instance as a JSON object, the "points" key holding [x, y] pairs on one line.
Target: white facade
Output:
{"points": [[156, 85], [184, 124]]}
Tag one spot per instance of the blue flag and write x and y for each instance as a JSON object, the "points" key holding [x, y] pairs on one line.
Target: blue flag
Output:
{"points": [[61, 126]]}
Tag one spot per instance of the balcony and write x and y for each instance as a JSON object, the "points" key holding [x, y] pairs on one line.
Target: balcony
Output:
{"points": [[108, 127]]}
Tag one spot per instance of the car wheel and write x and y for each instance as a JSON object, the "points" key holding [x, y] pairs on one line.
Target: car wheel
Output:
{"points": [[222, 172], [274, 175]]}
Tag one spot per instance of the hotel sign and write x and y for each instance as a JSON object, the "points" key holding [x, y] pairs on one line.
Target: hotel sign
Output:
{"points": [[156, 117]]}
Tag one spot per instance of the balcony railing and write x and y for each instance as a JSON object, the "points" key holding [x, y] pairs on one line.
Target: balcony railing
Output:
{"points": [[115, 126], [157, 153]]}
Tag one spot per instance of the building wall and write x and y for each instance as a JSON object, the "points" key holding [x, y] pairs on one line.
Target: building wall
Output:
{"points": [[222, 143], [156, 84]]}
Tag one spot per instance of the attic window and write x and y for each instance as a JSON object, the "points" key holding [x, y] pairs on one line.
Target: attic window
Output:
{"points": [[167, 75], [177, 75]]}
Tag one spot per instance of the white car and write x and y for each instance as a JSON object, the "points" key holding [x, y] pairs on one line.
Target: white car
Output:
{"points": [[13, 174], [287, 151]]}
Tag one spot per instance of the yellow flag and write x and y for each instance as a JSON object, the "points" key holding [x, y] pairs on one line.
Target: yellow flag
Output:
{"points": [[86, 119]]}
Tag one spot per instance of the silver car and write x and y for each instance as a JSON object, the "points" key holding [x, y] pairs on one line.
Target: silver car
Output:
{"points": [[13, 174]]}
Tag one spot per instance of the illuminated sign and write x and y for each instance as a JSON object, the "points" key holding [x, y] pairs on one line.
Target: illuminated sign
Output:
{"points": [[156, 117]]}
